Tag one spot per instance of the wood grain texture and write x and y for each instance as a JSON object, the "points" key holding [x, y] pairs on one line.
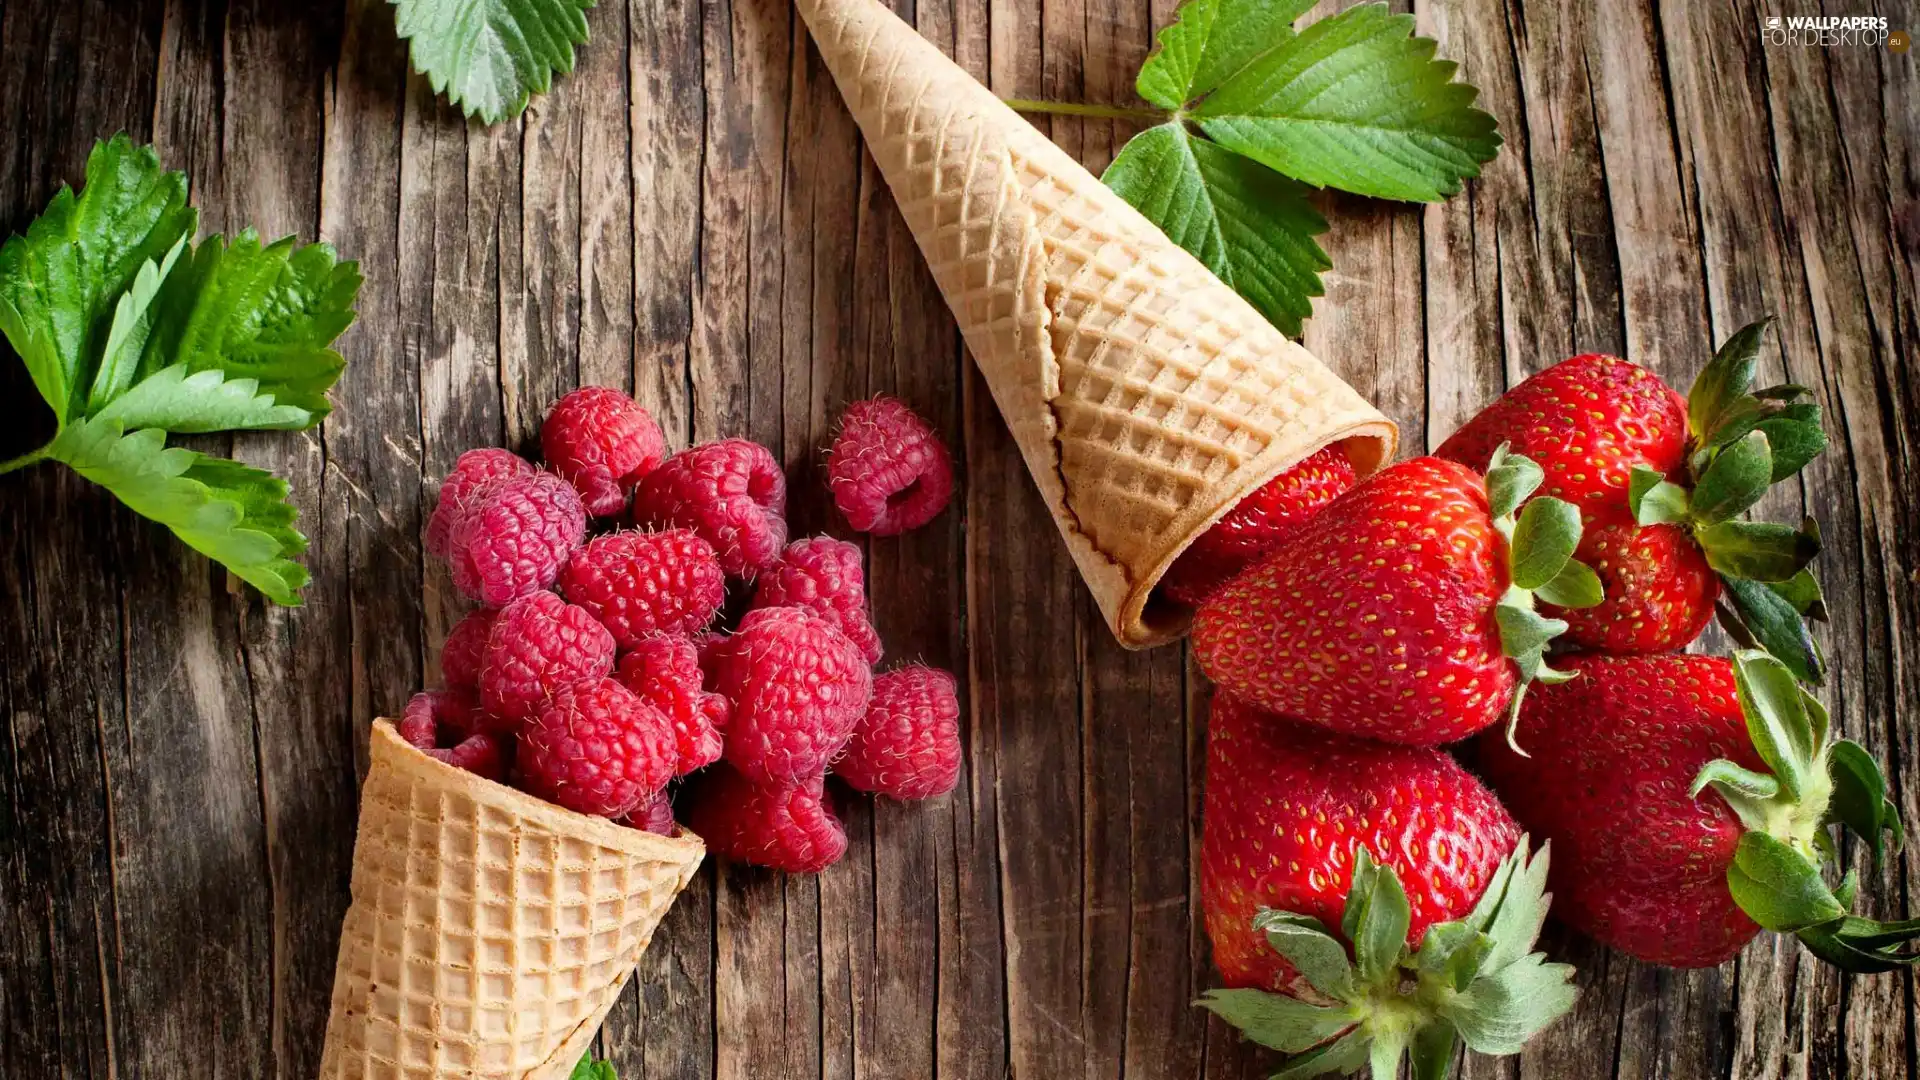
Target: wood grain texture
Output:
{"points": [[691, 215]]}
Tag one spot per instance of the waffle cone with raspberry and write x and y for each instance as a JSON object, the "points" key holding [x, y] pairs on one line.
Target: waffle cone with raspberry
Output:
{"points": [[489, 931], [1146, 396]]}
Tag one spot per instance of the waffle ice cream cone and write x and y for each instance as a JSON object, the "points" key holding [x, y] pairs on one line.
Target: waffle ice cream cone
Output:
{"points": [[1146, 396], [489, 931]]}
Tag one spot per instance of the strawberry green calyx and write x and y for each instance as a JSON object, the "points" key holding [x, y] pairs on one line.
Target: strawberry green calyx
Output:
{"points": [[1742, 442], [1813, 782], [590, 1069], [1476, 980], [1540, 565]]}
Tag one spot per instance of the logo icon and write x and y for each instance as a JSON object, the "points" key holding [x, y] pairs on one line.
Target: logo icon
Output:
{"points": [[1898, 41], [1773, 22]]}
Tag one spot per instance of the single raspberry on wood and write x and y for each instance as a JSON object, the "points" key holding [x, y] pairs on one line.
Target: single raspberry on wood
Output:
{"points": [[597, 749], [641, 583], [602, 442], [473, 468], [447, 725], [538, 644], [908, 745], [785, 825], [731, 492], [888, 470], [465, 649], [654, 816], [664, 672], [514, 536], [798, 688], [823, 575]]}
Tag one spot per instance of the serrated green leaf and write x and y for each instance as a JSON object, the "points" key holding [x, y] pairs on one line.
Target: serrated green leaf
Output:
{"points": [[589, 1069], [262, 312], [1802, 591], [1756, 550], [1736, 479], [1778, 887], [1524, 631], [1251, 226], [1748, 794], [1726, 379], [1312, 950], [1758, 616], [1506, 1007], [1377, 918], [236, 515], [127, 337], [1543, 542], [1434, 1047], [1575, 586], [1343, 1055], [1358, 103], [1389, 1045], [201, 402], [491, 56], [1277, 1021], [1515, 925], [64, 277], [1208, 42]]}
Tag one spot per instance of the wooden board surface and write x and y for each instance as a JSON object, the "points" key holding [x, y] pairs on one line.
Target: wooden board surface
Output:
{"points": [[691, 216]]}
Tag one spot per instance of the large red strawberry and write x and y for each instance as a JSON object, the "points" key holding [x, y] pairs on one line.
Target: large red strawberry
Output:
{"points": [[1404, 610], [1315, 844], [1689, 799], [1257, 524], [1661, 482]]}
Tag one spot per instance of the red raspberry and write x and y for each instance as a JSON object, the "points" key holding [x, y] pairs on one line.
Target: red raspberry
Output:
{"points": [[888, 470], [1259, 523], [640, 583], [786, 825], [443, 723], [602, 442], [474, 468], [654, 816], [731, 492], [466, 648], [664, 672], [539, 644], [908, 746], [823, 575], [597, 749], [514, 537], [798, 688]]}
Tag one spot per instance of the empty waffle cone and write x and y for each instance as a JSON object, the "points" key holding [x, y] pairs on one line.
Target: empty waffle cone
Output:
{"points": [[1146, 396], [489, 931]]}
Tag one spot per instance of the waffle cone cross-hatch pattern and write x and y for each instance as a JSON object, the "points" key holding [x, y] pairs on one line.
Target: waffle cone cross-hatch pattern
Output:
{"points": [[489, 931], [1146, 396]]}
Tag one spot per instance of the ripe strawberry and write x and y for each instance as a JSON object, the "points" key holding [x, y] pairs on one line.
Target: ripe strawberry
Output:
{"points": [[1614, 440], [1402, 611], [1315, 844], [1654, 864], [1257, 525]]}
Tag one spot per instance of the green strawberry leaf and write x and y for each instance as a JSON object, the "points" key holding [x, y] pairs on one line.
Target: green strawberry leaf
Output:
{"points": [[1802, 591], [1310, 948], [1575, 586], [1735, 480], [132, 324], [1358, 103], [1778, 887], [173, 400], [1725, 380], [61, 282], [1501, 1011], [1543, 542], [1860, 800], [1251, 226], [1210, 41], [1344, 1055], [262, 312], [1776, 718], [1757, 550], [491, 56], [1794, 443], [1377, 918], [1433, 1050], [1758, 615], [233, 514], [1654, 500], [589, 1069], [1276, 1021], [1510, 479]]}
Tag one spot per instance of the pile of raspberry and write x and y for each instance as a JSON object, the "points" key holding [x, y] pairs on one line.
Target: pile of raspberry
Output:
{"points": [[599, 671]]}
